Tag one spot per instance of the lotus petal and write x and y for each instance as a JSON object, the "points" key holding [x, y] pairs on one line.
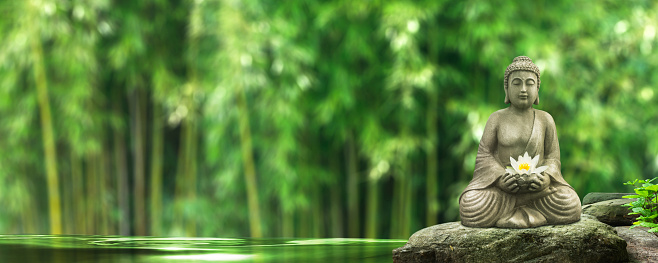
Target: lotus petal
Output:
{"points": [[525, 158], [540, 169], [524, 171], [515, 165], [534, 161]]}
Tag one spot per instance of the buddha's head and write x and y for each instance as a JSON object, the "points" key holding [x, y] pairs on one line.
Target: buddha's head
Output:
{"points": [[522, 74]]}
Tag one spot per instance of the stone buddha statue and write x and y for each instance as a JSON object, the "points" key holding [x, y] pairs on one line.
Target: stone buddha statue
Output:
{"points": [[497, 197]]}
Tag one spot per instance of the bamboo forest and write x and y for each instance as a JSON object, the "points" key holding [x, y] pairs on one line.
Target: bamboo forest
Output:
{"points": [[301, 118]]}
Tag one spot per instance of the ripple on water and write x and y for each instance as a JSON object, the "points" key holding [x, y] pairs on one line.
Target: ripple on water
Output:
{"points": [[78, 248]]}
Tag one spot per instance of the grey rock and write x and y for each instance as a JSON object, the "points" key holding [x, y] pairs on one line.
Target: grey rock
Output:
{"points": [[587, 240], [598, 197], [642, 245], [611, 212]]}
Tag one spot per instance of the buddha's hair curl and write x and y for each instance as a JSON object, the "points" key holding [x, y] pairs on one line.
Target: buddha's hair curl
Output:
{"points": [[521, 63]]}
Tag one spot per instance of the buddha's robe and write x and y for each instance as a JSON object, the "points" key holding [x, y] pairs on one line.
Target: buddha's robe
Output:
{"points": [[483, 204]]}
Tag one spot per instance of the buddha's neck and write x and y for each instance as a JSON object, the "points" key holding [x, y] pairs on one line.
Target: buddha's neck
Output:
{"points": [[521, 111]]}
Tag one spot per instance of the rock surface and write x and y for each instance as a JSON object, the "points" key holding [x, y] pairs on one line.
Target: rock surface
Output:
{"points": [[585, 241], [598, 197], [611, 212], [642, 245]]}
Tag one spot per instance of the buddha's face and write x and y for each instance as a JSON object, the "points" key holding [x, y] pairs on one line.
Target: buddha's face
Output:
{"points": [[522, 89]]}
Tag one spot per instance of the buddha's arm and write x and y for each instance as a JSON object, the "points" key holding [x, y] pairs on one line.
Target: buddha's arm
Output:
{"points": [[489, 140], [488, 170], [551, 145], [551, 155], [551, 148]]}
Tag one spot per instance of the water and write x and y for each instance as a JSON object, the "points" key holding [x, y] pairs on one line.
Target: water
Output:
{"points": [[121, 249]]}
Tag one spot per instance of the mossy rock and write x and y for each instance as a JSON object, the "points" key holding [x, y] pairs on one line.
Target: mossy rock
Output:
{"points": [[587, 240], [611, 212], [596, 197]]}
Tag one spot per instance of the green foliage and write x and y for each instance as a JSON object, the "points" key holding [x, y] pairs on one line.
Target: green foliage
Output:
{"points": [[646, 205], [352, 106]]}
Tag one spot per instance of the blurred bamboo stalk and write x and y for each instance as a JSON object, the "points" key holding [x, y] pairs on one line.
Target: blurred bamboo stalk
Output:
{"points": [[336, 199], [156, 170], [91, 195], [188, 162], [432, 123], [249, 166], [352, 187], [432, 187], [138, 110], [41, 82], [121, 169], [372, 224], [78, 200]]}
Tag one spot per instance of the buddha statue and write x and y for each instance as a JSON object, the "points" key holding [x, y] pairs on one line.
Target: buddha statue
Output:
{"points": [[498, 197]]}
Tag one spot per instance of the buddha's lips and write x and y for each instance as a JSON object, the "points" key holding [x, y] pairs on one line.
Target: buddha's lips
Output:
{"points": [[523, 97]]}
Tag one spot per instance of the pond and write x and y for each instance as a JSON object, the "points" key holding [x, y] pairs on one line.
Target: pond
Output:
{"points": [[122, 249]]}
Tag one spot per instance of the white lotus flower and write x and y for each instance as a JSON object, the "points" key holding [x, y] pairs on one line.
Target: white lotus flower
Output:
{"points": [[525, 165]]}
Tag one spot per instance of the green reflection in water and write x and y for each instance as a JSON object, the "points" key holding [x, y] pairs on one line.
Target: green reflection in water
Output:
{"points": [[46, 248], [210, 257]]}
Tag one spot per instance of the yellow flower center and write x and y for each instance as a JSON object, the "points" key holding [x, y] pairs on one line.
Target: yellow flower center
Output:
{"points": [[524, 166]]}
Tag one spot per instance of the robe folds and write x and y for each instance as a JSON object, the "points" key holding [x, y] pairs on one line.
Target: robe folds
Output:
{"points": [[483, 204]]}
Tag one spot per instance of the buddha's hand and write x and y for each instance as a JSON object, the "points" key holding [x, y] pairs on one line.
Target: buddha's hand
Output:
{"points": [[508, 183], [538, 182]]}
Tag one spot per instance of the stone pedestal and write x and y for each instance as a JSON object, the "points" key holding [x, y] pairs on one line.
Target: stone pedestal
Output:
{"points": [[587, 240]]}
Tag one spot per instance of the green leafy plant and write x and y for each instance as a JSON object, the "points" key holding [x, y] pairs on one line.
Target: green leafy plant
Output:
{"points": [[646, 204]]}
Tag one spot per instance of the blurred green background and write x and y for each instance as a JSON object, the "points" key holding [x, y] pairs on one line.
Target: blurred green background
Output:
{"points": [[300, 118]]}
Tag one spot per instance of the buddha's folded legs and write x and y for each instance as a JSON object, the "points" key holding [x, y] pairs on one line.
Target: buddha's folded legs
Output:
{"points": [[561, 207], [492, 207], [484, 207], [522, 217]]}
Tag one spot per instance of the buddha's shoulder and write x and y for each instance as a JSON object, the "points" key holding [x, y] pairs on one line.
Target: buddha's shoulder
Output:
{"points": [[544, 117], [494, 117]]}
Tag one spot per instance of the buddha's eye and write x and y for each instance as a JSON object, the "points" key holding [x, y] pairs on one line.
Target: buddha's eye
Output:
{"points": [[530, 82], [516, 82]]}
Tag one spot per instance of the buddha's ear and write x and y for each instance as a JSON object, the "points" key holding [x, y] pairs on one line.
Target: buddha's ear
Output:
{"points": [[506, 98], [536, 100]]}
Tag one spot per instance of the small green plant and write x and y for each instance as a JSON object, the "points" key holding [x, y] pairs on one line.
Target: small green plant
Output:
{"points": [[646, 204]]}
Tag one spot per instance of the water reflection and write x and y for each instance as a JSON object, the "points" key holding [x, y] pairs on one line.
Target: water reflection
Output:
{"points": [[45, 248], [211, 257]]}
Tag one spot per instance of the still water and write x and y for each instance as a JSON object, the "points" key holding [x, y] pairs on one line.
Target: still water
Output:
{"points": [[121, 249]]}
